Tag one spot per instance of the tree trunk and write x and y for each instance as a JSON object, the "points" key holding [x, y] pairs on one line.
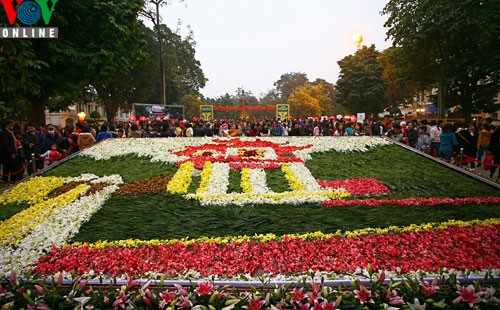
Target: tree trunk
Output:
{"points": [[111, 110], [36, 113], [466, 104]]}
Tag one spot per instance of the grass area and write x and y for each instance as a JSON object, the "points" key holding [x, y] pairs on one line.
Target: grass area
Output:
{"points": [[8, 210], [130, 167], [405, 173], [234, 182], [162, 216], [276, 181]]}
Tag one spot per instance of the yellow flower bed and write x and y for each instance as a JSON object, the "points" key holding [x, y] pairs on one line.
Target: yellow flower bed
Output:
{"points": [[246, 185], [32, 191], [17, 227], [205, 175], [181, 180], [292, 179], [134, 243]]}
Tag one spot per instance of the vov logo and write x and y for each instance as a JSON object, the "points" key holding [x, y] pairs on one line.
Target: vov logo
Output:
{"points": [[28, 13]]}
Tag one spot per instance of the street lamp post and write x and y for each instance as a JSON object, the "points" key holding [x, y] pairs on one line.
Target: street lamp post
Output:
{"points": [[162, 64]]}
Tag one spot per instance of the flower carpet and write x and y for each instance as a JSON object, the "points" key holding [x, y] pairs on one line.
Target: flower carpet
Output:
{"points": [[280, 208]]}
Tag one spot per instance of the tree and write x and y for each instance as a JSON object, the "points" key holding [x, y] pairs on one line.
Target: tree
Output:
{"points": [[327, 104], [271, 97], [92, 35], [399, 86], [306, 100], [288, 82], [360, 86], [191, 105], [453, 44]]}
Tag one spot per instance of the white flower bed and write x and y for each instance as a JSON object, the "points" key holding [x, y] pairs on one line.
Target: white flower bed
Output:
{"points": [[162, 149]]}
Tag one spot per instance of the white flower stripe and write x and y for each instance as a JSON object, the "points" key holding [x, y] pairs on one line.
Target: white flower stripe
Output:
{"points": [[293, 198], [305, 177], [258, 181], [219, 181]]}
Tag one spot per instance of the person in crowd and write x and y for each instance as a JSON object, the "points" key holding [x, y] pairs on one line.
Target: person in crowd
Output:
{"points": [[395, 132], [467, 140], [167, 130], [73, 133], [494, 148], [411, 134], [234, 131], [358, 130], [104, 133], [377, 128], [120, 133], [134, 131], [52, 137], [253, 130], [326, 131], [424, 140], [435, 134], [8, 150], [448, 142], [340, 129], [316, 130], [32, 146], [483, 141], [402, 124], [307, 129], [21, 158], [189, 130], [52, 155], [349, 128], [224, 130], [85, 138], [295, 131], [265, 131], [286, 128], [278, 129], [207, 130], [198, 130], [180, 129], [149, 131]]}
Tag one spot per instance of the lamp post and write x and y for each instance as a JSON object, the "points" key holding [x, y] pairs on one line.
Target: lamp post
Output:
{"points": [[441, 89], [158, 3], [81, 117]]}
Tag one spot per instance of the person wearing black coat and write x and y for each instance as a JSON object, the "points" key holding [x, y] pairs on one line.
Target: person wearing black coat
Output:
{"points": [[494, 148], [467, 140], [32, 144], [8, 150]]}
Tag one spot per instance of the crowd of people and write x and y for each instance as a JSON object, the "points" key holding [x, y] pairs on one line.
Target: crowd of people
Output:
{"points": [[45, 144]]}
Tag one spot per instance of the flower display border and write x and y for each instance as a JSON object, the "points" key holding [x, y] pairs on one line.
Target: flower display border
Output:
{"points": [[303, 151]]}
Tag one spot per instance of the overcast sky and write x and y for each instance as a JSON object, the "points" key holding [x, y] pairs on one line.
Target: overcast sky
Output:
{"points": [[251, 43]]}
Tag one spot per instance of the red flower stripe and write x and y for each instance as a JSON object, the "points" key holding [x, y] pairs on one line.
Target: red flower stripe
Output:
{"points": [[410, 202], [461, 248], [359, 187]]}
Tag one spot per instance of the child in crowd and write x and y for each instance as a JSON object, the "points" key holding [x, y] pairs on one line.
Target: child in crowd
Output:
{"points": [[52, 155], [424, 140]]}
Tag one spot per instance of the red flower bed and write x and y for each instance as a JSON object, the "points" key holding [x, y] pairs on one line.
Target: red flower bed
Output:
{"points": [[359, 187], [409, 202], [472, 248]]}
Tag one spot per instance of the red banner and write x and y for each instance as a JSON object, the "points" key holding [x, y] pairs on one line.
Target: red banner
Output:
{"points": [[245, 108]]}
